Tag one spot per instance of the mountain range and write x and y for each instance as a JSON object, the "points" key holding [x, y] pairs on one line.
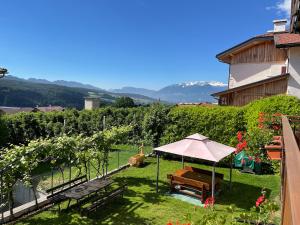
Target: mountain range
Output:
{"points": [[188, 92], [15, 91], [18, 92]]}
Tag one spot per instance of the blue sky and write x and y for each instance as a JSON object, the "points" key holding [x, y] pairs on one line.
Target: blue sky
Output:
{"points": [[115, 43]]}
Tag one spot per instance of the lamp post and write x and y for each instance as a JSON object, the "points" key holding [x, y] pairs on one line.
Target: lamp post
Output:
{"points": [[3, 72]]}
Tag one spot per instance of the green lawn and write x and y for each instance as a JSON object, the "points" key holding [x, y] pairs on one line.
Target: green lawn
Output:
{"points": [[141, 205]]}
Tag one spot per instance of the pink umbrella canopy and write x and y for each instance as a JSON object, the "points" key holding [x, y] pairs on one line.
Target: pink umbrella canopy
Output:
{"points": [[198, 146]]}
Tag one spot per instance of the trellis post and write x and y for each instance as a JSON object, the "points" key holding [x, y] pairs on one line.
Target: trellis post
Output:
{"points": [[1, 199], [157, 170]]}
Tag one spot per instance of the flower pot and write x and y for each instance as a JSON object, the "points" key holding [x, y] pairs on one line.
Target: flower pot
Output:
{"points": [[274, 153]]}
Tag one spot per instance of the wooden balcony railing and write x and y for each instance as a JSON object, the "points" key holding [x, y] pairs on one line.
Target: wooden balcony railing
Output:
{"points": [[290, 176]]}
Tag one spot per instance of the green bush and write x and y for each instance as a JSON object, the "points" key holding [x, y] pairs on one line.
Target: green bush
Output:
{"points": [[283, 104], [23, 127], [156, 124], [218, 123]]}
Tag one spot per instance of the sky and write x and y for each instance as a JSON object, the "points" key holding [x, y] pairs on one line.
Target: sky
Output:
{"points": [[140, 43]]}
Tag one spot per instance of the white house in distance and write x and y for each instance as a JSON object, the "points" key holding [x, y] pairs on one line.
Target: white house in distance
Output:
{"points": [[262, 66], [91, 103]]}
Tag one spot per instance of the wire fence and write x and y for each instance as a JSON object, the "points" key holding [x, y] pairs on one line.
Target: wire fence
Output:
{"points": [[46, 177]]}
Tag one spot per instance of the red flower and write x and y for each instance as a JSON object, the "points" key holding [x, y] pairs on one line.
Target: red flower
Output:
{"points": [[260, 200], [239, 136], [210, 201], [257, 160], [277, 114], [169, 223], [250, 158]]}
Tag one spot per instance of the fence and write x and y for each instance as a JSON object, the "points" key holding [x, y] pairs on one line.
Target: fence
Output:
{"points": [[46, 177], [290, 173]]}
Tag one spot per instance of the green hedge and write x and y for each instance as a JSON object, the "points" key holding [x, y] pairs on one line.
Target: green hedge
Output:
{"points": [[21, 127], [283, 104], [218, 123], [156, 124]]}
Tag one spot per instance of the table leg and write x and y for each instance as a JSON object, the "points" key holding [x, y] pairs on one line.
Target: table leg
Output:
{"points": [[69, 204]]}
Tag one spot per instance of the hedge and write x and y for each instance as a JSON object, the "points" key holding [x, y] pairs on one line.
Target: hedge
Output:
{"points": [[287, 105], [218, 123], [156, 124], [22, 127]]}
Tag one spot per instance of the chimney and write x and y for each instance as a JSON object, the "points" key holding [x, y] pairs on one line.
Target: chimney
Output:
{"points": [[279, 25]]}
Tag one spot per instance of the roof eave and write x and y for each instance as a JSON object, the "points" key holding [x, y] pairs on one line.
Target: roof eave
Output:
{"points": [[288, 45], [243, 44], [217, 94]]}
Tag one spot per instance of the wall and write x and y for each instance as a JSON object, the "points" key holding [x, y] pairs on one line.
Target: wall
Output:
{"points": [[294, 70], [91, 103], [245, 73], [23, 194]]}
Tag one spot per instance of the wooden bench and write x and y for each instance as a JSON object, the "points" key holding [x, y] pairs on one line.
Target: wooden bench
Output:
{"points": [[193, 181], [105, 199], [188, 186]]}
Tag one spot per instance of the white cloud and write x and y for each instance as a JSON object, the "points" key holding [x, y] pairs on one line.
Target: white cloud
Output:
{"points": [[283, 8]]}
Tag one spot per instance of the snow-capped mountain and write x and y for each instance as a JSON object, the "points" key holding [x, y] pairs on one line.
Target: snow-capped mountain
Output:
{"points": [[202, 83], [195, 91]]}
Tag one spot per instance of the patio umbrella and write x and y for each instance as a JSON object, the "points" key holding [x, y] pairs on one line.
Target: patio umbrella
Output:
{"points": [[199, 147]]}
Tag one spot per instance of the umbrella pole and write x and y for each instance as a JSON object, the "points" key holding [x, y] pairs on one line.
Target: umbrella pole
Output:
{"points": [[182, 160], [157, 170], [230, 175], [213, 181]]}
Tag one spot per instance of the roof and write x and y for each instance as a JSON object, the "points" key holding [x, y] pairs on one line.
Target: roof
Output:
{"points": [[12, 110], [252, 41], [275, 78], [281, 39], [50, 108], [198, 146], [287, 40]]}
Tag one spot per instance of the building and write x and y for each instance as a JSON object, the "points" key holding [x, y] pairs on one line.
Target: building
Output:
{"points": [[49, 108], [91, 103], [262, 66], [13, 110]]}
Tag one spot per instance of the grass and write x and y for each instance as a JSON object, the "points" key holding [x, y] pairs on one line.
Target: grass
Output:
{"points": [[141, 205]]}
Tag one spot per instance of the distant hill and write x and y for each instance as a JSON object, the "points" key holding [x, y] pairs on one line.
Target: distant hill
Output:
{"points": [[19, 92], [64, 83], [198, 91]]}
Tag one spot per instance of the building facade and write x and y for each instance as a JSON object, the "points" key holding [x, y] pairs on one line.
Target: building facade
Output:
{"points": [[262, 66], [91, 103]]}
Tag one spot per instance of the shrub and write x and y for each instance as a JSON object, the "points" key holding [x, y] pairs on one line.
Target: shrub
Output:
{"points": [[124, 102], [218, 123], [154, 123], [287, 105]]}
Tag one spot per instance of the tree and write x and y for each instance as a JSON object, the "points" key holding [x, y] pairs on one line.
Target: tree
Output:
{"points": [[124, 102], [154, 123]]}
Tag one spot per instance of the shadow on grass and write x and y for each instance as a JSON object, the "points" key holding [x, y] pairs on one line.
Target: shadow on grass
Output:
{"points": [[120, 211], [145, 164], [242, 195], [143, 188]]}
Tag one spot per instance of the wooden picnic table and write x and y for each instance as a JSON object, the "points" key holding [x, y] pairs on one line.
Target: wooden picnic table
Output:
{"points": [[202, 178], [195, 176], [85, 189]]}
